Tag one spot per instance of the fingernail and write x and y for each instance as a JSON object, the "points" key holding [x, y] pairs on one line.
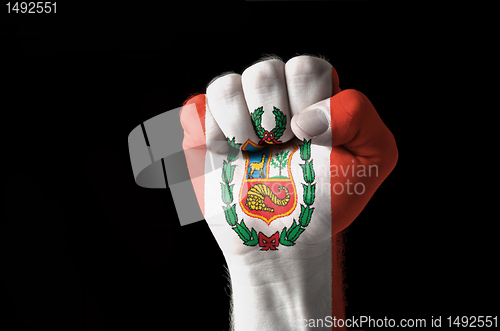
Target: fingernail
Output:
{"points": [[313, 122]]}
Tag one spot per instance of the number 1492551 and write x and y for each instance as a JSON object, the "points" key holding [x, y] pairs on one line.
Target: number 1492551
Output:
{"points": [[31, 7]]}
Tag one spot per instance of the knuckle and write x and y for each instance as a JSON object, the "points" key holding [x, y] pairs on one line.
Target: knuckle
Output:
{"points": [[307, 67], [226, 87], [189, 110], [188, 115], [264, 74]]}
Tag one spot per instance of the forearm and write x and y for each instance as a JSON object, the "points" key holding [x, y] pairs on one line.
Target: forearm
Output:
{"points": [[284, 294]]}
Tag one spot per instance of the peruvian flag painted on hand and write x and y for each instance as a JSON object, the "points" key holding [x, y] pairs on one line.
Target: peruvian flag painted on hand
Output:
{"points": [[346, 152]]}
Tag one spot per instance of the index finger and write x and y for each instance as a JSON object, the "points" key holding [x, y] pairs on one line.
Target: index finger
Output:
{"points": [[309, 80]]}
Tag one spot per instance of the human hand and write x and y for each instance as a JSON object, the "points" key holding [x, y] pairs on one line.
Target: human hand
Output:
{"points": [[303, 160], [330, 178]]}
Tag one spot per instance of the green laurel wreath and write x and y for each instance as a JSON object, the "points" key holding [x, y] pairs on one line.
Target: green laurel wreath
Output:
{"points": [[249, 237], [287, 237], [279, 117], [256, 118]]}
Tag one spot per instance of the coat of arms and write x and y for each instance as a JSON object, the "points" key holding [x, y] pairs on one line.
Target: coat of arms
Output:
{"points": [[268, 189]]}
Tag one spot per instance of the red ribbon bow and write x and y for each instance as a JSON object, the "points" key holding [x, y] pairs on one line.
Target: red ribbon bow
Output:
{"points": [[269, 138], [269, 243]]}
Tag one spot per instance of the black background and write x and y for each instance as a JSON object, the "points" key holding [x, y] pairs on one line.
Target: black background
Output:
{"points": [[84, 247]]}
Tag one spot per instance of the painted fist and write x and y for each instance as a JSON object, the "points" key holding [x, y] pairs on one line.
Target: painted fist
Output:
{"points": [[281, 159]]}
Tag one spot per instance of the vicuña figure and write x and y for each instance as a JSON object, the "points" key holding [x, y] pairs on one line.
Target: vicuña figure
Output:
{"points": [[258, 166]]}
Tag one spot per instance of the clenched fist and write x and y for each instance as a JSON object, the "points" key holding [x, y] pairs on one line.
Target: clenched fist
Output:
{"points": [[281, 161]]}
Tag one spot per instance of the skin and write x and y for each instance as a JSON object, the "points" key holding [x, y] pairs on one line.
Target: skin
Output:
{"points": [[278, 289]]}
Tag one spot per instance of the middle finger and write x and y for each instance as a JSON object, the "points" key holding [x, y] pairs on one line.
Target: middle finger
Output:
{"points": [[264, 87]]}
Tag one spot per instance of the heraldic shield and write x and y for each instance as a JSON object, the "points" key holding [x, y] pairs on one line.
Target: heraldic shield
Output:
{"points": [[268, 189]]}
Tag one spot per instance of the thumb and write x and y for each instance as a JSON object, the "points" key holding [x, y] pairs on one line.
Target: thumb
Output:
{"points": [[347, 119]]}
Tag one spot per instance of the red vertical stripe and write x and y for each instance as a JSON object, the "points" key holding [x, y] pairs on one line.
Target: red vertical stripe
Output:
{"points": [[338, 298], [194, 144], [199, 101]]}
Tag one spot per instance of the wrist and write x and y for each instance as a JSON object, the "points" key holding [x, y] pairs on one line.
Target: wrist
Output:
{"points": [[282, 293]]}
